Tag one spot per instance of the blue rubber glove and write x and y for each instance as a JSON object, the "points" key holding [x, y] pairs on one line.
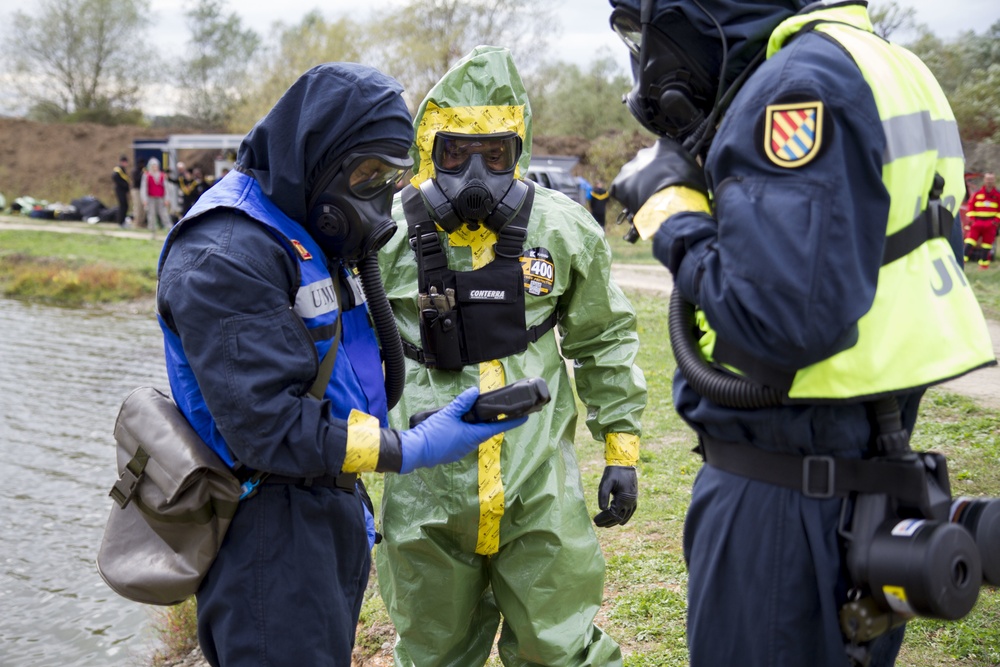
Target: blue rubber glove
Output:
{"points": [[445, 438], [366, 502]]}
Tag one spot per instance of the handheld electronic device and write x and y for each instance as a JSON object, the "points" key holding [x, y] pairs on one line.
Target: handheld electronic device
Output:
{"points": [[515, 400]]}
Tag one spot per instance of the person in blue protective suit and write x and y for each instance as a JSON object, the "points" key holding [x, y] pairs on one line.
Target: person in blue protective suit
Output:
{"points": [[801, 195], [266, 290]]}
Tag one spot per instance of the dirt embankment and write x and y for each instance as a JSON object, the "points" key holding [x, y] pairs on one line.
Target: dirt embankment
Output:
{"points": [[60, 162]]}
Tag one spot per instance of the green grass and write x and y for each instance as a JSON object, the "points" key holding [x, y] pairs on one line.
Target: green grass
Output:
{"points": [[986, 285], [124, 253], [76, 269], [640, 252], [646, 579]]}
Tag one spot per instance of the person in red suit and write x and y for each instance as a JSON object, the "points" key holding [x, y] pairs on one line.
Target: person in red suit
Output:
{"points": [[983, 217]]}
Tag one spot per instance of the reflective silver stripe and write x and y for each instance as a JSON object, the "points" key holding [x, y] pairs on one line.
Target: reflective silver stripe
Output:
{"points": [[915, 133], [359, 294], [316, 299]]}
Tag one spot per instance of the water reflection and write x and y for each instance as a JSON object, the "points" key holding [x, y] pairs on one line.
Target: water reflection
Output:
{"points": [[63, 375]]}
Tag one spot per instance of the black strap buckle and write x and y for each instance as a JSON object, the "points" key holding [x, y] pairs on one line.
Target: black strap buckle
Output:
{"points": [[124, 488], [817, 481]]}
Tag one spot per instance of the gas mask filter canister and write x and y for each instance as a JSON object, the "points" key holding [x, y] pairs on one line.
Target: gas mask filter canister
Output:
{"points": [[350, 216]]}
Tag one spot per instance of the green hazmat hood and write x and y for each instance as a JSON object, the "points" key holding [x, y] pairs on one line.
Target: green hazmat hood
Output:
{"points": [[481, 94]]}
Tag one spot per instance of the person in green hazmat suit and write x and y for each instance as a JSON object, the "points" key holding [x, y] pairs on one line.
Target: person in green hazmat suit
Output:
{"points": [[492, 267]]}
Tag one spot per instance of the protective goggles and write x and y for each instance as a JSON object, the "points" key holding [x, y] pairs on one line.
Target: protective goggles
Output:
{"points": [[369, 175], [626, 25], [500, 152]]}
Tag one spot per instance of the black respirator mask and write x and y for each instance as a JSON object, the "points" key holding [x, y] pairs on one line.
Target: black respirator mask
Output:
{"points": [[474, 180], [350, 209], [674, 92]]}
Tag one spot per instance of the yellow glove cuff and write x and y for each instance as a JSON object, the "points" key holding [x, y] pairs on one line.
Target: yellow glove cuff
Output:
{"points": [[621, 449], [666, 202], [363, 440]]}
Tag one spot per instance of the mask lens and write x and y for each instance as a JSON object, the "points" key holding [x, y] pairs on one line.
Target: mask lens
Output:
{"points": [[500, 152], [373, 175], [628, 29]]}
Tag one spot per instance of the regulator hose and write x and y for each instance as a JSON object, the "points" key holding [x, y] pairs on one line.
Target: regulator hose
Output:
{"points": [[385, 328], [730, 391]]}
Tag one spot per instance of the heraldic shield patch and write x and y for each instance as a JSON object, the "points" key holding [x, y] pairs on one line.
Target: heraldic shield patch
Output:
{"points": [[793, 133]]}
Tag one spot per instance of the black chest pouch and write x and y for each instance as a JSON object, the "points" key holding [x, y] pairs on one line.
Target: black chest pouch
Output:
{"points": [[467, 317]]}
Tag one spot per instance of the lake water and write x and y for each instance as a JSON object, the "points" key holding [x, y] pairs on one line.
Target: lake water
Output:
{"points": [[63, 375]]}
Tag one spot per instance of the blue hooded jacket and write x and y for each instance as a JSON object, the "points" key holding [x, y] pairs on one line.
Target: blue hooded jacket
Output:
{"points": [[239, 357]]}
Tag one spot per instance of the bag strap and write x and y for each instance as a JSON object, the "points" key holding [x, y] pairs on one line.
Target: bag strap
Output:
{"points": [[318, 388], [933, 222], [124, 489]]}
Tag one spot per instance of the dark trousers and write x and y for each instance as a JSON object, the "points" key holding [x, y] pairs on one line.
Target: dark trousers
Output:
{"points": [[122, 196], [289, 581], [766, 579]]}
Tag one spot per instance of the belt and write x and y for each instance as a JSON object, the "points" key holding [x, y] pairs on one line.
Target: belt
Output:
{"points": [[345, 480], [818, 476]]}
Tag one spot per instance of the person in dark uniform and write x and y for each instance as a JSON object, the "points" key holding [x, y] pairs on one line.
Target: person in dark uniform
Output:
{"points": [[599, 202], [123, 187], [192, 186], [262, 308], [819, 142]]}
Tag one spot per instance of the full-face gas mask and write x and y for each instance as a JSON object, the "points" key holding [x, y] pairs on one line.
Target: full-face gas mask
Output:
{"points": [[474, 180], [676, 78], [350, 208]]}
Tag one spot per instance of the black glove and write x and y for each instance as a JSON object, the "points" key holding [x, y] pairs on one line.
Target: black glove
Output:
{"points": [[622, 483], [665, 164]]}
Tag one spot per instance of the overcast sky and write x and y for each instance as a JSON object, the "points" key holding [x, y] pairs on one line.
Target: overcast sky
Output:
{"points": [[582, 25]]}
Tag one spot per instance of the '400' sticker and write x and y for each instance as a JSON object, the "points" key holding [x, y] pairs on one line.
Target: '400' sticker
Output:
{"points": [[539, 271]]}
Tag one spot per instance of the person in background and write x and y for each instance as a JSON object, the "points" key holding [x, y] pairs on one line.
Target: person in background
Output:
{"points": [[175, 193], [153, 193], [599, 202], [138, 209], [491, 264], [802, 195], [192, 185], [583, 189], [983, 216], [262, 309], [123, 184]]}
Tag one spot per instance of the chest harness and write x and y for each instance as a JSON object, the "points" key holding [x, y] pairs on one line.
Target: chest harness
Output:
{"points": [[467, 317]]}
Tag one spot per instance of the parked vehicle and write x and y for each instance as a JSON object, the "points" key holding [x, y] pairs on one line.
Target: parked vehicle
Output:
{"points": [[556, 173]]}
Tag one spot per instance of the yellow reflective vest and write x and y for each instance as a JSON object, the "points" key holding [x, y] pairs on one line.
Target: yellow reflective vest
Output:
{"points": [[925, 325]]}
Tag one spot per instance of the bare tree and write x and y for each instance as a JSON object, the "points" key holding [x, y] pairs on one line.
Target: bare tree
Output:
{"points": [[569, 101], [74, 59], [888, 17], [421, 41], [214, 76], [296, 48]]}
